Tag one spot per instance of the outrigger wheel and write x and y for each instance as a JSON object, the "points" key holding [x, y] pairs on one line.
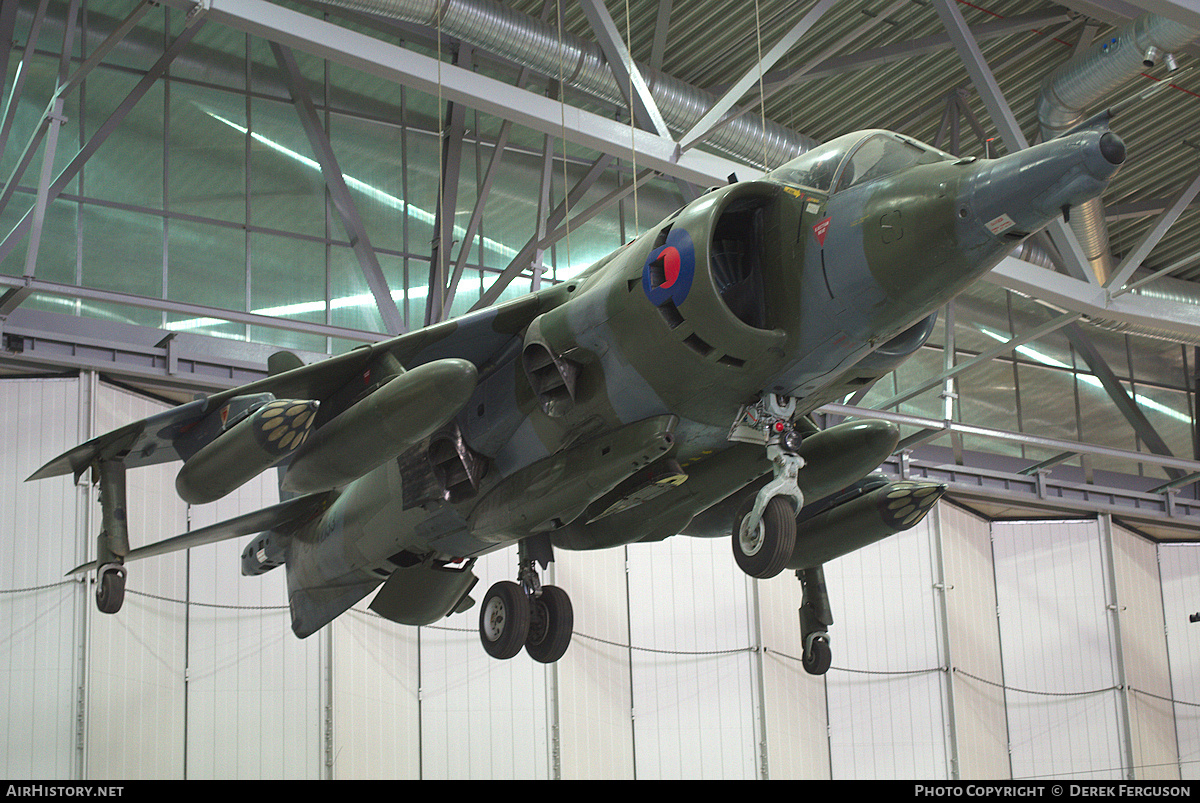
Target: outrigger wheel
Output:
{"points": [[110, 587], [815, 619]]}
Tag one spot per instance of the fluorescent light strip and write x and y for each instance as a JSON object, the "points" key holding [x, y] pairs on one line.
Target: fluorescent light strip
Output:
{"points": [[361, 299], [1089, 379], [374, 192]]}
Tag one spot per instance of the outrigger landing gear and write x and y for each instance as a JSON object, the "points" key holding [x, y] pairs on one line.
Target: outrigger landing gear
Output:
{"points": [[527, 614], [815, 619], [764, 533], [112, 545]]}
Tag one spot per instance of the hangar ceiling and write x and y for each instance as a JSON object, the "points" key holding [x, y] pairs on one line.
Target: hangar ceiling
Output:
{"points": [[216, 180]]}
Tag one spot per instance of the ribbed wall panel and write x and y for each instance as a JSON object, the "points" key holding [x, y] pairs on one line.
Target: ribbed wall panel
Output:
{"points": [[1058, 650], [887, 713], [254, 689], [595, 703], [794, 706], [693, 687], [199, 676], [1144, 654], [973, 635], [40, 626], [137, 658], [376, 708], [481, 718], [1180, 568]]}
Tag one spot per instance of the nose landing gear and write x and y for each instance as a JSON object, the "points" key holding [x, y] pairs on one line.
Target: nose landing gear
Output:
{"points": [[527, 614], [764, 529], [764, 533]]}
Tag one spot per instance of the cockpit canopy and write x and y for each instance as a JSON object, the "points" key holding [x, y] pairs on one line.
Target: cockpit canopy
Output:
{"points": [[854, 159]]}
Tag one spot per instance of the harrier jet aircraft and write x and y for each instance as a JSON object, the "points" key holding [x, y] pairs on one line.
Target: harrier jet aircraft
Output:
{"points": [[666, 390]]}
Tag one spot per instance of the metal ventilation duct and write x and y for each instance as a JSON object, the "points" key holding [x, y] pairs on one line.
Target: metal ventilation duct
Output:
{"points": [[532, 43], [1070, 91]]}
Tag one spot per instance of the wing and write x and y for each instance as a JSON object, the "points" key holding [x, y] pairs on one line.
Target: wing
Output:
{"points": [[284, 517], [173, 434]]}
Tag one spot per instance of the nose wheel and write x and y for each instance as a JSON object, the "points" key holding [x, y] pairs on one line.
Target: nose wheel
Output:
{"points": [[526, 614], [764, 529]]}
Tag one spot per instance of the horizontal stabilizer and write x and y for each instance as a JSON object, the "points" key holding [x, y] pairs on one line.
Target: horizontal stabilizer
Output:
{"points": [[282, 516]]}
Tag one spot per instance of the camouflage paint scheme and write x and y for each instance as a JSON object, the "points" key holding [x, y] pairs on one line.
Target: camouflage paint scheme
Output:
{"points": [[599, 411]]}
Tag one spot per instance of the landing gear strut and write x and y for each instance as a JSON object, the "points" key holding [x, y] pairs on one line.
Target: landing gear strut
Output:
{"points": [[527, 614], [815, 619], [764, 531], [112, 545]]}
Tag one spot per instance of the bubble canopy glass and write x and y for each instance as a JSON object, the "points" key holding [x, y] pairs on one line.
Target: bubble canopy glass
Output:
{"points": [[862, 156]]}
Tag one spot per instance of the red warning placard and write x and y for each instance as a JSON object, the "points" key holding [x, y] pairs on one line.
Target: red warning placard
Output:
{"points": [[820, 229]]}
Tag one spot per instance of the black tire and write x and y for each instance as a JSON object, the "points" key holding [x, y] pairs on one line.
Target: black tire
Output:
{"points": [[110, 590], [766, 552], [504, 620], [817, 660], [551, 622]]}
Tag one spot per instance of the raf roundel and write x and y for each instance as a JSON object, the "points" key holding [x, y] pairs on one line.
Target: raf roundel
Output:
{"points": [[669, 269]]}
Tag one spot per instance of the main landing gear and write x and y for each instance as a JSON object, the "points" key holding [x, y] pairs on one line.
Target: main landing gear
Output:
{"points": [[764, 529], [527, 614]]}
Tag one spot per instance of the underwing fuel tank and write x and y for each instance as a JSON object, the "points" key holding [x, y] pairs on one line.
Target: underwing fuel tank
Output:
{"points": [[866, 512], [409, 408], [245, 450]]}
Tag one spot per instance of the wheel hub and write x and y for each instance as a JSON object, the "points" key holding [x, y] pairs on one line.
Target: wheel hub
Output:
{"points": [[750, 541], [494, 619]]}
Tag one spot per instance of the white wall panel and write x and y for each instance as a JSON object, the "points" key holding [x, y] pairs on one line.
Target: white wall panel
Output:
{"points": [[1144, 655], [481, 718], [793, 701], [973, 635], [886, 697], [595, 702], [1057, 645], [136, 657], [376, 710], [39, 419], [1180, 568], [254, 689], [199, 675], [693, 687]]}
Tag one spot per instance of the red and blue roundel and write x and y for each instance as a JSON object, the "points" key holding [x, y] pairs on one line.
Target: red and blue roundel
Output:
{"points": [[670, 268]]}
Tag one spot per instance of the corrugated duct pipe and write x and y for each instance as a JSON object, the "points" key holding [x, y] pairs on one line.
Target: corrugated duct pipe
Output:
{"points": [[532, 43], [1069, 92]]}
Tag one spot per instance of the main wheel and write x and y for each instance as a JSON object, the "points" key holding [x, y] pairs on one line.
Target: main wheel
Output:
{"points": [[504, 620], [816, 660], [765, 550], [110, 590], [551, 622]]}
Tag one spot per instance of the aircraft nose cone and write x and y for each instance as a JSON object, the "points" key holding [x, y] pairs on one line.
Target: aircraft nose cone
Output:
{"points": [[1112, 148], [1030, 188]]}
